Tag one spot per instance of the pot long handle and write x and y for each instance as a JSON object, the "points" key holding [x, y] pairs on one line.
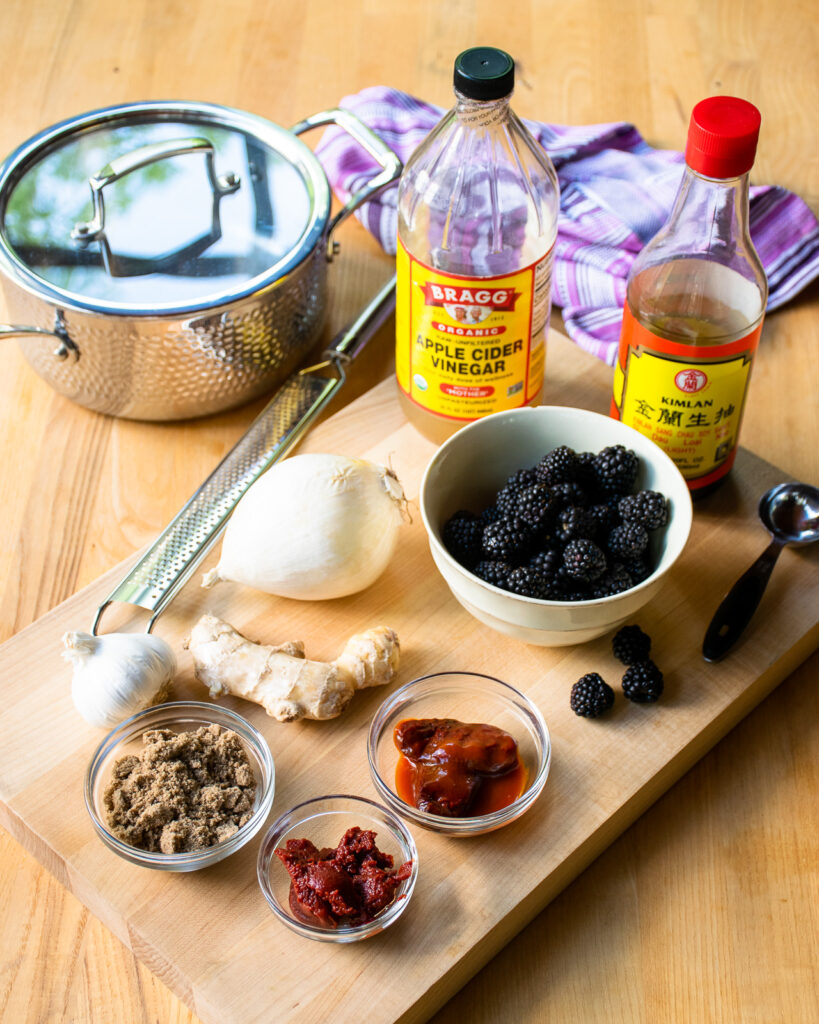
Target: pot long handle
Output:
{"points": [[65, 348], [390, 164]]}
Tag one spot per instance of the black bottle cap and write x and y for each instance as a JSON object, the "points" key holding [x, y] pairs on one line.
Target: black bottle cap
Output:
{"points": [[484, 73]]}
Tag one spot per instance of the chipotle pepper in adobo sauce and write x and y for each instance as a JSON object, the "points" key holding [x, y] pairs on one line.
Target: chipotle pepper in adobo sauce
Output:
{"points": [[457, 769]]}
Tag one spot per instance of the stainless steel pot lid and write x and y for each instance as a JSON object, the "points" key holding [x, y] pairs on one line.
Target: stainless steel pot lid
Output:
{"points": [[158, 208]]}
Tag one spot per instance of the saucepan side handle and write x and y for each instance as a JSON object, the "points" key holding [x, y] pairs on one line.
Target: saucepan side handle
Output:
{"points": [[391, 166], [64, 349]]}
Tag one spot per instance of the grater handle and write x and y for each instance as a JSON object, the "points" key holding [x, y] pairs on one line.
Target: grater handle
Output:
{"points": [[171, 560]]}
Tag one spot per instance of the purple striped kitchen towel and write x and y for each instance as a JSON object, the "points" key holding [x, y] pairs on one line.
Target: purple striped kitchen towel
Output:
{"points": [[615, 193]]}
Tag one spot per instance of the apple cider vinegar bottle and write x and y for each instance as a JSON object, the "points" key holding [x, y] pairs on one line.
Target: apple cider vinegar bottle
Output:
{"points": [[477, 220]]}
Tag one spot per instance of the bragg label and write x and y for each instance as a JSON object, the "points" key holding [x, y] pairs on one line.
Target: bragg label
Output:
{"points": [[688, 399], [467, 347], [494, 298]]}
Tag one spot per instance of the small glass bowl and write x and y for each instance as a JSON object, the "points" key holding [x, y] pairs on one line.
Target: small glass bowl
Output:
{"points": [[324, 821], [467, 697], [180, 716]]}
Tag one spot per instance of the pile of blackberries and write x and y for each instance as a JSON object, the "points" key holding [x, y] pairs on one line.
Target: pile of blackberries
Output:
{"points": [[642, 681], [567, 529]]}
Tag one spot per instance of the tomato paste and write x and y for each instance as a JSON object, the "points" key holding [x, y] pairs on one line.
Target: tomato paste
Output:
{"points": [[347, 885]]}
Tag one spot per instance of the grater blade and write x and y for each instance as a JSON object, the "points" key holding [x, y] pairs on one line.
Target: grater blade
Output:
{"points": [[171, 560], [181, 546]]}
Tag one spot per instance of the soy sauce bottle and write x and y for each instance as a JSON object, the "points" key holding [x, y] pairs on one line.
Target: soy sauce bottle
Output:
{"points": [[695, 302], [477, 221]]}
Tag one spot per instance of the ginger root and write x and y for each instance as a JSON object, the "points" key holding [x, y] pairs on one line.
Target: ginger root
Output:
{"points": [[281, 679]]}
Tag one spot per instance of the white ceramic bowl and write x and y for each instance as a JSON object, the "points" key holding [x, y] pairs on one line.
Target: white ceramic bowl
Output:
{"points": [[467, 471]]}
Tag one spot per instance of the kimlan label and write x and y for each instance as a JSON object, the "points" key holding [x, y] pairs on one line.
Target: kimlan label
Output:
{"points": [[688, 399], [465, 346]]}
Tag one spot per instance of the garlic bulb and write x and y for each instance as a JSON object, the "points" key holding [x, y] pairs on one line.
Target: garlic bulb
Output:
{"points": [[313, 527], [117, 674]]}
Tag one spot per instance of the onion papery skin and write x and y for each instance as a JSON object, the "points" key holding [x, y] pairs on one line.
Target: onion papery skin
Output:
{"points": [[313, 528]]}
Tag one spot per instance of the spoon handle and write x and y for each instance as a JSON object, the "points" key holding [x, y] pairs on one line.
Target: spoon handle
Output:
{"points": [[739, 605]]}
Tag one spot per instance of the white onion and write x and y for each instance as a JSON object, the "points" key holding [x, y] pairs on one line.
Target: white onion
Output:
{"points": [[313, 527]]}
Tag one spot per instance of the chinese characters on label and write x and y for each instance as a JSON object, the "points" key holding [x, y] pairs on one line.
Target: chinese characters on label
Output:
{"points": [[687, 399]]}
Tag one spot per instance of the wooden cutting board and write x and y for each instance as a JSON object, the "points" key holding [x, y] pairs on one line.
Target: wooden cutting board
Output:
{"points": [[210, 936]]}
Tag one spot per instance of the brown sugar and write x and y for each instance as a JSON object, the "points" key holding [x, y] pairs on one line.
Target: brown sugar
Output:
{"points": [[184, 791]]}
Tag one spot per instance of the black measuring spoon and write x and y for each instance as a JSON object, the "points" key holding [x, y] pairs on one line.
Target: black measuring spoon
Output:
{"points": [[790, 513]]}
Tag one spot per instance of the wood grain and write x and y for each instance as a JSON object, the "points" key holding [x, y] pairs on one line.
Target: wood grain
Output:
{"points": [[688, 931], [211, 937]]}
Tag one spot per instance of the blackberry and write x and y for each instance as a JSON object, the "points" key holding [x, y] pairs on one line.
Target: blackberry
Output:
{"points": [[507, 539], [585, 470], [575, 522], [631, 645], [507, 496], [490, 515], [569, 494], [605, 518], [527, 582], [591, 696], [462, 537], [568, 589], [506, 500], [628, 541], [648, 508], [638, 568], [493, 572], [615, 581], [615, 468], [536, 505], [583, 560], [643, 682], [547, 562], [522, 478], [559, 466], [613, 501]]}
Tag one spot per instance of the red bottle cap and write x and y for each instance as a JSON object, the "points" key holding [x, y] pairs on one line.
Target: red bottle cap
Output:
{"points": [[722, 137]]}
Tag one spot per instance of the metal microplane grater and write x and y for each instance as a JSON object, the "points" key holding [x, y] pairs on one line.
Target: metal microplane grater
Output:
{"points": [[168, 564]]}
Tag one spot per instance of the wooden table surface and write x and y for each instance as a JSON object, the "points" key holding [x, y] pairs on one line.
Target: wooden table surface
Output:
{"points": [[705, 909]]}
